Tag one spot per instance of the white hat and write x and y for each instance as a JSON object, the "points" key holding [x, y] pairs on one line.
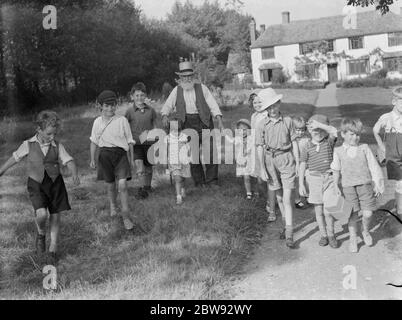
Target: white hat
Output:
{"points": [[268, 97]]}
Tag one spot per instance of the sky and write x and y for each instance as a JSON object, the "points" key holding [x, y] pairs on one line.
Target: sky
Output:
{"points": [[265, 11]]}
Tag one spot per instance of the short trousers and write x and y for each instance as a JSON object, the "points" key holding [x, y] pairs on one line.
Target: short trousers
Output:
{"points": [[282, 171], [140, 153], [361, 197], [318, 183], [48, 194], [113, 164]]}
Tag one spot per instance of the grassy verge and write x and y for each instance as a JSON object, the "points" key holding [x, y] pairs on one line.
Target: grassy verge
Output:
{"points": [[181, 252]]}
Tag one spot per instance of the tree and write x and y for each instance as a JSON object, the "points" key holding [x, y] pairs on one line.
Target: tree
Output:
{"points": [[381, 5]]}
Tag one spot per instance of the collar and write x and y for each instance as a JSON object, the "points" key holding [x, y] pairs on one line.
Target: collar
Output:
{"points": [[35, 139], [348, 146], [269, 119], [136, 108]]}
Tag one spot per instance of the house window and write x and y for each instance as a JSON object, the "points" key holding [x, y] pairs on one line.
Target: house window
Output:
{"points": [[305, 48], [330, 44], [356, 43], [393, 64], [266, 75], [308, 71], [268, 53], [358, 67], [394, 39], [322, 46]]}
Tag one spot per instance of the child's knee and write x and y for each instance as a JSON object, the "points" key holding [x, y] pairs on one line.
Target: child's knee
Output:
{"points": [[367, 214], [41, 214], [123, 185]]}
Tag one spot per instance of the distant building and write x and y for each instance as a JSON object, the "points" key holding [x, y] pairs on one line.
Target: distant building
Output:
{"points": [[323, 49]]}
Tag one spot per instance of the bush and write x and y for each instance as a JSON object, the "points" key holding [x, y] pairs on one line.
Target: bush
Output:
{"points": [[279, 77], [379, 74], [310, 85], [369, 82]]}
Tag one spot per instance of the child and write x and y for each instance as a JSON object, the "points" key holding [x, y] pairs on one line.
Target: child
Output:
{"points": [[244, 162], [317, 156], [278, 152], [302, 138], [141, 118], [178, 158], [391, 122], [358, 167], [112, 134], [260, 114], [45, 183]]}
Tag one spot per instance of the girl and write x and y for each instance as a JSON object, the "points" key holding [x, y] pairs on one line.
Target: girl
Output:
{"points": [[46, 188], [178, 158], [112, 134]]}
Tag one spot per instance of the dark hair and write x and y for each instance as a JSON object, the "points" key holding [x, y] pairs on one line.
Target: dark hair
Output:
{"points": [[139, 86], [47, 118], [251, 100]]}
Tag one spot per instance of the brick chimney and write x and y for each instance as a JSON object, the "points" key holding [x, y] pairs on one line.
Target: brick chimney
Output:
{"points": [[252, 30], [285, 17], [262, 28]]}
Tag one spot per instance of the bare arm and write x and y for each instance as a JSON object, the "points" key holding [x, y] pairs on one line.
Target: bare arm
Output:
{"points": [[302, 175], [131, 153], [378, 138], [92, 155], [9, 163], [72, 167], [295, 150], [337, 178]]}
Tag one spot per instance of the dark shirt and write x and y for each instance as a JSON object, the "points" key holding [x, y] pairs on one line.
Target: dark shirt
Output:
{"points": [[140, 120]]}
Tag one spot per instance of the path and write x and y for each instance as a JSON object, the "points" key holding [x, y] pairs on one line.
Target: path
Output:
{"points": [[314, 272], [327, 96]]}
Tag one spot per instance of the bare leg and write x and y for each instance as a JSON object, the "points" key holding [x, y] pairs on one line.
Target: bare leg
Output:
{"points": [[288, 207], [368, 240], [247, 184], [124, 204], [353, 232], [330, 225], [54, 231], [40, 221], [319, 217], [112, 195], [139, 164], [178, 185], [148, 177]]}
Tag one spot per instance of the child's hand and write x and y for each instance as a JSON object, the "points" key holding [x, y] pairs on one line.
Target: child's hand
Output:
{"points": [[92, 164], [378, 191], [76, 180], [302, 190], [313, 124]]}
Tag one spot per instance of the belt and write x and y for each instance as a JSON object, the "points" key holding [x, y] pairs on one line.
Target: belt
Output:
{"points": [[275, 152]]}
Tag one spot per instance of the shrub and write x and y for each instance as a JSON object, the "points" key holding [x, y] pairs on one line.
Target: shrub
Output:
{"points": [[279, 77], [300, 85], [379, 74], [369, 82]]}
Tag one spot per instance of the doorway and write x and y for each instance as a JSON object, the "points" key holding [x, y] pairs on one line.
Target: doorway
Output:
{"points": [[332, 72]]}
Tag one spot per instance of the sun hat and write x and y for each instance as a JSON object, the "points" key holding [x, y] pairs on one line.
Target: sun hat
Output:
{"points": [[185, 69], [268, 97], [320, 118], [108, 97], [244, 121], [397, 92]]}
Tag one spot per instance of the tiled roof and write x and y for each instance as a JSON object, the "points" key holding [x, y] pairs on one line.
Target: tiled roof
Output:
{"points": [[299, 31]]}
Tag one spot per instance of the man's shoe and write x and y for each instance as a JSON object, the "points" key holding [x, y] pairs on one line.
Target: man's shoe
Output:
{"points": [[40, 243], [333, 243], [290, 243], [323, 241]]}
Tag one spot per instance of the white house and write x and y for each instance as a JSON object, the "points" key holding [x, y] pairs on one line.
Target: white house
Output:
{"points": [[324, 49]]}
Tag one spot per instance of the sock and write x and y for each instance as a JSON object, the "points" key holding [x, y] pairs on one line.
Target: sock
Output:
{"points": [[289, 231]]}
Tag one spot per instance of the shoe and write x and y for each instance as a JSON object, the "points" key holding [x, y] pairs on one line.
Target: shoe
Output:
{"points": [[249, 196], [40, 243], [271, 213], [368, 240], [301, 205], [183, 193], [323, 241], [128, 224], [290, 243], [179, 199], [353, 245], [141, 193], [333, 243], [282, 234]]}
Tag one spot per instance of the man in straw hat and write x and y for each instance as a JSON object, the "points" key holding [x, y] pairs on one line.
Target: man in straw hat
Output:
{"points": [[278, 150], [195, 106], [391, 143]]}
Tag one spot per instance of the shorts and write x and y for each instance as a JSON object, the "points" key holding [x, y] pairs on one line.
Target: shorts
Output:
{"points": [[140, 153], [361, 197], [113, 164], [48, 194], [282, 170], [318, 183]]}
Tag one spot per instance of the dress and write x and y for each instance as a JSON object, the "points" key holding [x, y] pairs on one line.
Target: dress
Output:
{"points": [[179, 155], [244, 155]]}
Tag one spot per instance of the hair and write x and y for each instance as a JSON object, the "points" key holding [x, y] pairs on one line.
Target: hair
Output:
{"points": [[251, 100], [139, 86], [299, 123], [354, 125], [47, 118]]}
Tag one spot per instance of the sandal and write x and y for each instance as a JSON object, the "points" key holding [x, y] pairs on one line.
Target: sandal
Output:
{"points": [[249, 196], [290, 243], [301, 205]]}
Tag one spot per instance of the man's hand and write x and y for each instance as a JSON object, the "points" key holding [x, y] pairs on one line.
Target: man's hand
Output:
{"points": [[92, 164], [165, 122], [220, 123]]}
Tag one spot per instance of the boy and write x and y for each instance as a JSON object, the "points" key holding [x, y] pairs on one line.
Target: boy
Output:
{"points": [[112, 135], [141, 118], [358, 167], [277, 150], [391, 123], [317, 156], [46, 188]]}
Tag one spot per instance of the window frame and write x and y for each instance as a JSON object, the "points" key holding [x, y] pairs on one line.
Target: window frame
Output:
{"points": [[397, 37], [265, 50], [355, 61], [352, 41], [316, 71], [397, 61]]}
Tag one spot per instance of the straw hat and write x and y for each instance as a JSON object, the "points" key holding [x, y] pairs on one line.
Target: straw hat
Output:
{"points": [[397, 93], [268, 97], [185, 69]]}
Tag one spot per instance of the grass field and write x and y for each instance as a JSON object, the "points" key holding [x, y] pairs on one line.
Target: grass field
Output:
{"points": [[180, 252]]}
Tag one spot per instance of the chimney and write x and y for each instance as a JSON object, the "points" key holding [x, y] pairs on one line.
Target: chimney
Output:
{"points": [[262, 28], [285, 17], [252, 30]]}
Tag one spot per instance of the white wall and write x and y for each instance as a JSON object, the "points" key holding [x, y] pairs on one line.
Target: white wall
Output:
{"points": [[285, 55]]}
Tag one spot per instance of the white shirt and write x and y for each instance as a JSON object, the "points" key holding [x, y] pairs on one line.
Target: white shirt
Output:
{"points": [[23, 150], [390, 122], [189, 98], [112, 133]]}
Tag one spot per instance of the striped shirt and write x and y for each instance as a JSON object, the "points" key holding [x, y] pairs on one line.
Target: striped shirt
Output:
{"points": [[319, 157]]}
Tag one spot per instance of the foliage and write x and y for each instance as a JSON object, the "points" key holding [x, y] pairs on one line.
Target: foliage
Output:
{"points": [[369, 82], [310, 85], [379, 74], [381, 5]]}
